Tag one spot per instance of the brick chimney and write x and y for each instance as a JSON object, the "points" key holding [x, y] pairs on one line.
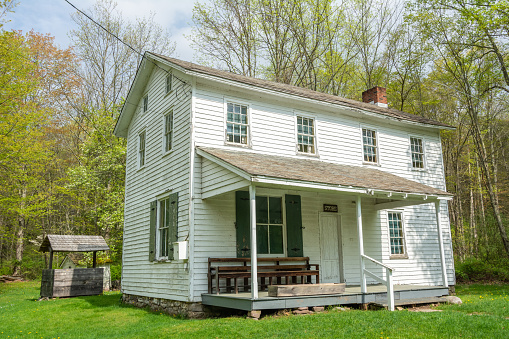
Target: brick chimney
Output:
{"points": [[376, 95]]}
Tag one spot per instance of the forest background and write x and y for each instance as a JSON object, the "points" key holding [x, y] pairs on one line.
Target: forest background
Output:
{"points": [[62, 171]]}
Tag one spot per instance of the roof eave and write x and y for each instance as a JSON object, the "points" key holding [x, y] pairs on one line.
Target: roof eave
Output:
{"points": [[128, 109]]}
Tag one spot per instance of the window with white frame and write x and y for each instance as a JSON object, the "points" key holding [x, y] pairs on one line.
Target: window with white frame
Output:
{"points": [[269, 225], [396, 236], [306, 135], [145, 103], [369, 145], [163, 227], [168, 131], [417, 151], [169, 79], [141, 149], [237, 123]]}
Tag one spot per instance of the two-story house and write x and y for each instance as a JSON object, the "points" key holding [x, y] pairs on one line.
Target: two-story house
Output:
{"points": [[230, 166]]}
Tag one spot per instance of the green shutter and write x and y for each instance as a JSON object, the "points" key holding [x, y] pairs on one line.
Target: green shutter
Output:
{"points": [[152, 232], [173, 227], [242, 224], [294, 226]]}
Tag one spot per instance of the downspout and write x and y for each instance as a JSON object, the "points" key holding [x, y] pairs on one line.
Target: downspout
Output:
{"points": [[192, 155]]}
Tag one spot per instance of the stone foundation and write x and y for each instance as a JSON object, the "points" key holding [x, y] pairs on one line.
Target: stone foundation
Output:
{"points": [[171, 307]]}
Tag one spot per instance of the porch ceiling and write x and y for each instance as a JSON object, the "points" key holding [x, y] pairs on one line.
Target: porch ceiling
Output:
{"points": [[310, 173]]}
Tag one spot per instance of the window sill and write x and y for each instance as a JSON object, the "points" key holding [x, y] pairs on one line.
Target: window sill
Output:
{"points": [[226, 143], [371, 164], [398, 256], [167, 94], [311, 155], [413, 169], [162, 261], [165, 154], [141, 168]]}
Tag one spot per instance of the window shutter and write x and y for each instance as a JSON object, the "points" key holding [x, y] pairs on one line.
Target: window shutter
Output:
{"points": [[242, 224], [152, 233], [294, 226], [173, 227]]}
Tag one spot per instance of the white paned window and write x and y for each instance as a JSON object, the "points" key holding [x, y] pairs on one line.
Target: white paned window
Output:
{"points": [[306, 135], [237, 124], [369, 145], [396, 238], [169, 79], [163, 228], [141, 149], [168, 131], [417, 150], [145, 103]]}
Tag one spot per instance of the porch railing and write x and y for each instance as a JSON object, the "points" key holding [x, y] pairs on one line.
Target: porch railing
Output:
{"points": [[387, 282]]}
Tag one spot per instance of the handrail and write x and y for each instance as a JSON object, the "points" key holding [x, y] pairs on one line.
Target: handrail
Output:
{"points": [[377, 262], [388, 281]]}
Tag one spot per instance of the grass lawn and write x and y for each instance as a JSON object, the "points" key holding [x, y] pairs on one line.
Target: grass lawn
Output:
{"points": [[484, 314]]}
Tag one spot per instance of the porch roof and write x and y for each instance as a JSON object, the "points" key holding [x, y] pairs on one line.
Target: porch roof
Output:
{"points": [[257, 167]]}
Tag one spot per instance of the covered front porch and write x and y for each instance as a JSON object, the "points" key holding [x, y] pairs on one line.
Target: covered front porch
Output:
{"points": [[336, 207], [375, 294]]}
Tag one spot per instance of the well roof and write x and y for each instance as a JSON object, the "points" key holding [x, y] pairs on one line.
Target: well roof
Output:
{"points": [[311, 170], [302, 92], [73, 243]]}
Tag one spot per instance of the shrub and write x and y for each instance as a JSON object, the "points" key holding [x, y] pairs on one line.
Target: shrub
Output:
{"points": [[477, 270], [116, 272]]}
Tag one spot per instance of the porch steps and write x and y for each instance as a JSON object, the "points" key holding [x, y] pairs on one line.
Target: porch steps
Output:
{"points": [[414, 301]]}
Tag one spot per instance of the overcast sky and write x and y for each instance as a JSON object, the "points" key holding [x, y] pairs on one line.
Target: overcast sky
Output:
{"points": [[54, 17]]}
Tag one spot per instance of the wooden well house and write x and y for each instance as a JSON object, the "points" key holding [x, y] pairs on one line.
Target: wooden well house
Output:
{"points": [[77, 281]]}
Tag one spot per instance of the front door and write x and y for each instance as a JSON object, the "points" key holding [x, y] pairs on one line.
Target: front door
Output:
{"points": [[330, 248]]}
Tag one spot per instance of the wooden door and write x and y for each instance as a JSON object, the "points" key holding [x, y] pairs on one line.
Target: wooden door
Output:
{"points": [[330, 248]]}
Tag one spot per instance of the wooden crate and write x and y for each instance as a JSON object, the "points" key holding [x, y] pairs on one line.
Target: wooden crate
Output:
{"points": [[72, 282], [306, 289]]}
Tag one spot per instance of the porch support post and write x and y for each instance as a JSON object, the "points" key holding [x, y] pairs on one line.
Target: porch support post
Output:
{"points": [[254, 260], [50, 263], [441, 245], [361, 243]]}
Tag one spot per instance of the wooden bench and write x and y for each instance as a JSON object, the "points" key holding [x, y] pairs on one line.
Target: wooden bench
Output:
{"points": [[274, 269]]}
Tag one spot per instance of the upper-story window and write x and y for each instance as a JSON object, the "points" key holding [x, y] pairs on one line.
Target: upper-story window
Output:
{"points": [[141, 149], [417, 151], [168, 131], [396, 235], [145, 103], [169, 84], [237, 124], [370, 145], [306, 135]]}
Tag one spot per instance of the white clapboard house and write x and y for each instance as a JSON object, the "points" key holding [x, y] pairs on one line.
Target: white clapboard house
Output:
{"points": [[357, 187]]}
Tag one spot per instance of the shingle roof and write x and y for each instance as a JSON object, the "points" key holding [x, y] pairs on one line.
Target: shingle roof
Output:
{"points": [[311, 170], [73, 243], [302, 92]]}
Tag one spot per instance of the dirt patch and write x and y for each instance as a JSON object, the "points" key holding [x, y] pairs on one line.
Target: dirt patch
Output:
{"points": [[425, 308]]}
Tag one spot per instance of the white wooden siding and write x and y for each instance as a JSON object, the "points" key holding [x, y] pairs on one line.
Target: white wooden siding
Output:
{"points": [[272, 129], [217, 180], [168, 173]]}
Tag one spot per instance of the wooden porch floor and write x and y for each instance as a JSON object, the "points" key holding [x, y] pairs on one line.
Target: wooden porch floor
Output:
{"points": [[352, 295]]}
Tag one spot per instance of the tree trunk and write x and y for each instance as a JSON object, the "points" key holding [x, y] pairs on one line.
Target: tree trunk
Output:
{"points": [[489, 184], [20, 246]]}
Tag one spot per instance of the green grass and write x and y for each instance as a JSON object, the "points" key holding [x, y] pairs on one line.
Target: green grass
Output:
{"points": [[484, 314]]}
